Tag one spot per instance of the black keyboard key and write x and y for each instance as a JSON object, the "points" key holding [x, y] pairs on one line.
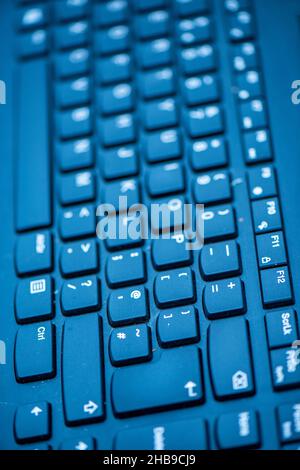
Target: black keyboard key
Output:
{"points": [[128, 306], [230, 365], [175, 288], [75, 123], [82, 370], [155, 53], [75, 62], [116, 68], [72, 35], [244, 57], [110, 13], [33, 17], [241, 26], [86, 443], [209, 153], [158, 83], [77, 222], [212, 188], [178, 326], [192, 31], [271, 250], [73, 93], [35, 355], [77, 187], [160, 146], [119, 163], [204, 121], [79, 258], [160, 114], [34, 253], [130, 345], [171, 253], [33, 422], [282, 328], [199, 59], [253, 114], [33, 164], [117, 99], [33, 44], [34, 300], [178, 435], [220, 260], [191, 7], [219, 223], [257, 145], [200, 90], [152, 25], [262, 182], [113, 40], [165, 179], [126, 268], [266, 215], [224, 298], [174, 381], [288, 422], [75, 155], [285, 368], [276, 287], [66, 10], [118, 130], [238, 430], [80, 295]]}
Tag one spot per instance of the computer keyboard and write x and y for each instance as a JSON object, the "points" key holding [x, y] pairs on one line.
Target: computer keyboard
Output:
{"points": [[141, 343]]}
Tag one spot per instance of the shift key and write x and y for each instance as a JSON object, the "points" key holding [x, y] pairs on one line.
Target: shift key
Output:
{"points": [[33, 155]]}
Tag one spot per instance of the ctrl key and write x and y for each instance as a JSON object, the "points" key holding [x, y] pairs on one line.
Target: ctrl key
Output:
{"points": [[32, 422], [35, 352]]}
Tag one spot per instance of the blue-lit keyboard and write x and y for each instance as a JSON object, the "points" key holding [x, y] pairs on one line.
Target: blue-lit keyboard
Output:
{"points": [[140, 343]]}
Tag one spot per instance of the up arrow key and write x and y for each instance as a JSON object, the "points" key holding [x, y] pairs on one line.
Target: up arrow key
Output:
{"points": [[90, 407], [189, 386], [36, 411]]}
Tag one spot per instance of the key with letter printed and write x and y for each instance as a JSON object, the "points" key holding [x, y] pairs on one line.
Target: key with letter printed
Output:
{"points": [[230, 358], [285, 366], [271, 250], [282, 328], [173, 381]]}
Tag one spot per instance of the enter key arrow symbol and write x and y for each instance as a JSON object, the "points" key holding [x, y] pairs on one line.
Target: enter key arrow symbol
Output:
{"points": [[189, 386], [90, 407]]}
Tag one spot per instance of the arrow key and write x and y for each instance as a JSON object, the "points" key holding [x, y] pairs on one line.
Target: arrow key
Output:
{"points": [[33, 422], [86, 443]]}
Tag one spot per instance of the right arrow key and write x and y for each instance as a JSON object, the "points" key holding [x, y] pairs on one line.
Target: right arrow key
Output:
{"points": [[173, 381]]}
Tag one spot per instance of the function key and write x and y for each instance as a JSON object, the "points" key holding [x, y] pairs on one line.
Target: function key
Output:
{"points": [[33, 422], [257, 147], [113, 69], [192, 31], [271, 250], [224, 298], [80, 295], [191, 7], [276, 287], [175, 288], [128, 306], [177, 327], [153, 24], [130, 345], [288, 417], [244, 57], [266, 215], [209, 153], [212, 188], [34, 253], [126, 268], [110, 13], [231, 364], [75, 155], [113, 40], [33, 17], [285, 366], [34, 300], [241, 26], [262, 182], [282, 328], [238, 430], [68, 10], [220, 260], [35, 352]]}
